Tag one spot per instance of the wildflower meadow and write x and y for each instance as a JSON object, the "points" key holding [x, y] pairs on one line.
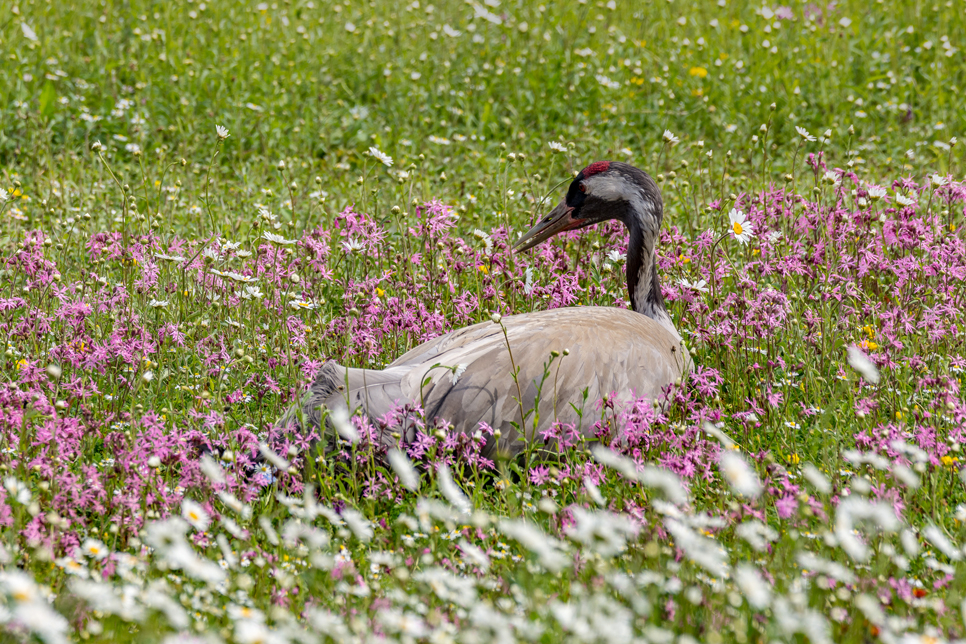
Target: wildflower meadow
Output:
{"points": [[203, 202]]}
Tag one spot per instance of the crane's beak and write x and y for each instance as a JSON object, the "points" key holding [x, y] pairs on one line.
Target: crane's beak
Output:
{"points": [[560, 219]]}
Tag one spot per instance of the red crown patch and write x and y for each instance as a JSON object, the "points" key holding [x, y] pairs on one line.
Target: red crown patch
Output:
{"points": [[595, 168]]}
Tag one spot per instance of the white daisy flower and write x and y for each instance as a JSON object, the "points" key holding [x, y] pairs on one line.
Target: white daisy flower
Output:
{"points": [[277, 239], [861, 363], [194, 514], [404, 469], [741, 229], [802, 132], [28, 33], [876, 192], [94, 549], [740, 476], [380, 156], [755, 589], [700, 286]]}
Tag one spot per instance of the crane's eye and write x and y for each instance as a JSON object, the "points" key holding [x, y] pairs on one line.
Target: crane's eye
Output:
{"points": [[582, 187]]}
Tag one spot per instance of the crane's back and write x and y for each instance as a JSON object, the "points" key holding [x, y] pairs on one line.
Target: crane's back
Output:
{"points": [[613, 352]]}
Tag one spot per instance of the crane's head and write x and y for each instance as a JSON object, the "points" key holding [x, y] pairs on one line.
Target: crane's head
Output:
{"points": [[603, 190]]}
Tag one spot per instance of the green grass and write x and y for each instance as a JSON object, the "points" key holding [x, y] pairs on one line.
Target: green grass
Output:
{"points": [[185, 69]]}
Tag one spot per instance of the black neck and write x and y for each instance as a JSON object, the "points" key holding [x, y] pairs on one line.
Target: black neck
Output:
{"points": [[643, 283]]}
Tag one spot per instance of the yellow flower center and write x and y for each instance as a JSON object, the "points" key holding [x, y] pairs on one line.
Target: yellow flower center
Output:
{"points": [[737, 228]]}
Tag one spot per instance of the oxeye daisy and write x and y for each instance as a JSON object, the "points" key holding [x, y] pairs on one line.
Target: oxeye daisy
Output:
{"points": [[194, 514], [380, 156], [741, 228], [701, 285], [277, 239], [72, 566], [802, 132], [94, 549], [876, 192]]}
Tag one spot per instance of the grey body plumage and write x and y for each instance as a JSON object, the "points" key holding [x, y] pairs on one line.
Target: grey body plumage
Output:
{"points": [[619, 352]]}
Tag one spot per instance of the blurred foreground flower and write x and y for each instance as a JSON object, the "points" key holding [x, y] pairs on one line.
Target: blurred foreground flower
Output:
{"points": [[861, 363], [739, 475]]}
